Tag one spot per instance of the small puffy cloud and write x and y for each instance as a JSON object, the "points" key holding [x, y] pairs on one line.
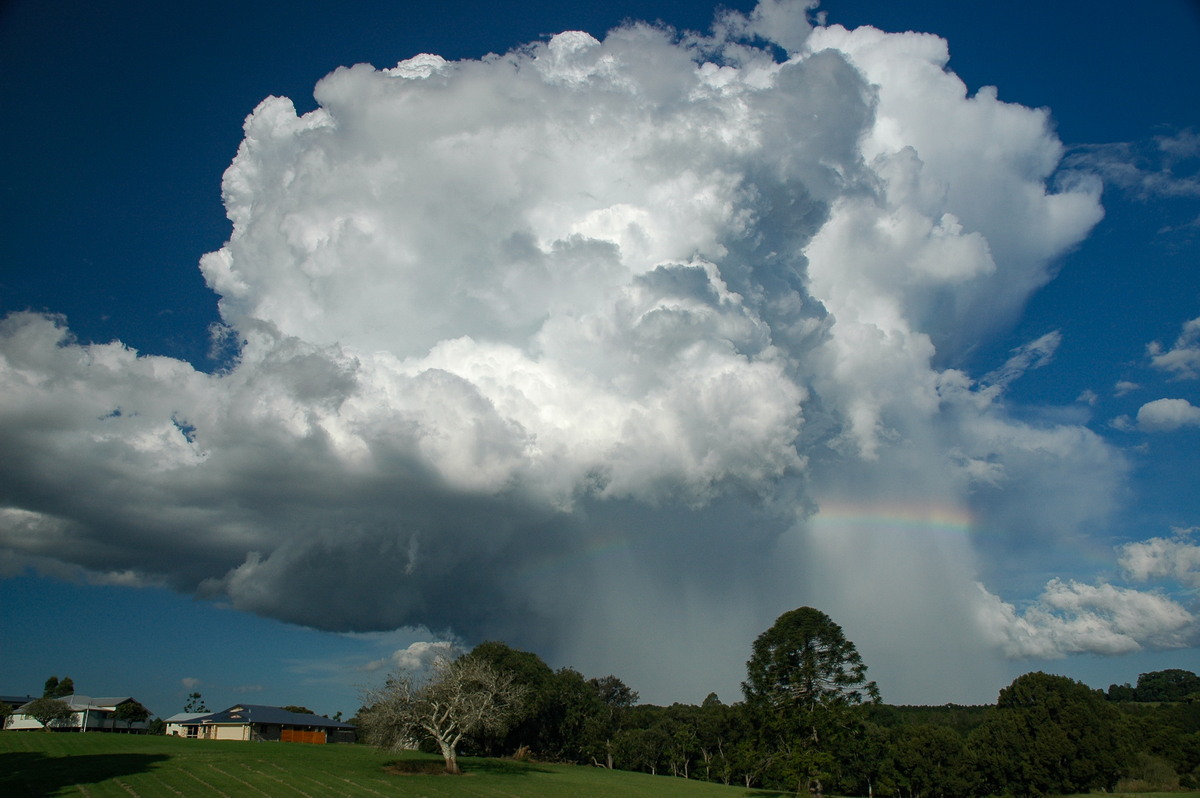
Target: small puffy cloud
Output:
{"points": [[189, 683], [1073, 618], [1182, 359], [422, 654], [1174, 558], [417, 656], [1167, 415], [1124, 386]]}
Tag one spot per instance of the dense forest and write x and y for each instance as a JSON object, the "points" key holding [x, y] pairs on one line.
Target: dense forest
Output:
{"points": [[810, 721]]}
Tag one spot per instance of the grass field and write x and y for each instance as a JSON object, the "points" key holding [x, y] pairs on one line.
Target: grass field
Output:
{"points": [[37, 764]]}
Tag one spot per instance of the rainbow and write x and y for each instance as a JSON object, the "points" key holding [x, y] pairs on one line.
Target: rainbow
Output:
{"points": [[910, 516]]}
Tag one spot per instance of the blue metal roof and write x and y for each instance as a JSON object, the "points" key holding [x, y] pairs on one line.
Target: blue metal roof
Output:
{"points": [[256, 713]]}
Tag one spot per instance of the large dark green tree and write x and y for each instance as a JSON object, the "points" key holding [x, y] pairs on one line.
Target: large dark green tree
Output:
{"points": [[804, 685], [528, 670], [929, 760], [1050, 734], [1173, 684]]}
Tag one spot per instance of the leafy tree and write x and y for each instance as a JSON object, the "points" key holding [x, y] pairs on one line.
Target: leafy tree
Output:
{"points": [[298, 710], [528, 726], [195, 703], [460, 697], [47, 710], [929, 761], [58, 689], [805, 682], [615, 701], [641, 749], [716, 732], [130, 712], [1050, 734], [1121, 692], [1169, 685]]}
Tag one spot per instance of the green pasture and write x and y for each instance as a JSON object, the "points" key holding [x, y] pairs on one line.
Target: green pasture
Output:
{"points": [[37, 764]]}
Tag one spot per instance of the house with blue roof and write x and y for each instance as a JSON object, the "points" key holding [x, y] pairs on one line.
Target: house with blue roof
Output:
{"points": [[257, 722]]}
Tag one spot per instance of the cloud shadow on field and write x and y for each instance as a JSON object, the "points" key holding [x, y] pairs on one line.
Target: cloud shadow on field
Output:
{"points": [[34, 773]]}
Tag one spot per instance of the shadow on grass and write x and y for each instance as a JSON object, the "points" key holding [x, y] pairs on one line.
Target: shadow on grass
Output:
{"points": [[34, 774]]}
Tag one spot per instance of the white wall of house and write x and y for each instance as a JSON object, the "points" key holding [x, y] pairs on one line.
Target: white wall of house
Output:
{"points": [[87, 716]]}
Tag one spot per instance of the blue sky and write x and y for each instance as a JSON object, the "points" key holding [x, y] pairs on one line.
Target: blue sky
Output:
{"points": [[986, 401]]}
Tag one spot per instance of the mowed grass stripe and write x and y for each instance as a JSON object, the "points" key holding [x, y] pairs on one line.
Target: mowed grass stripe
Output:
{"points": [[209, 787], [263, 775]]}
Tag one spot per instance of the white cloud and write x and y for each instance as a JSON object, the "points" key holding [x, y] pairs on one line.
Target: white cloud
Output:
{"points": [[418, 656], [1183, 358], [1072, 618], [533, 340], [1167, 415], [1163, 167], [1034, 355], [1163, 558]]}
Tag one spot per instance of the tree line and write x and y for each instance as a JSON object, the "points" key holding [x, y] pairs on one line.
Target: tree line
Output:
{"points": [[809, 721]]}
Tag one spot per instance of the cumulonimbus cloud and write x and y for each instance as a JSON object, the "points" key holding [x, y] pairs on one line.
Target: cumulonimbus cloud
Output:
{"points": [[504, 324]]}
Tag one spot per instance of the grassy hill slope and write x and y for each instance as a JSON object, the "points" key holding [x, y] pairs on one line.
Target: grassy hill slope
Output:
{"points": [[35, 764]]}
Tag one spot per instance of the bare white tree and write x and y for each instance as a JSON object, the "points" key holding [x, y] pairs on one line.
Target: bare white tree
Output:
{"points": [[459, 697]]}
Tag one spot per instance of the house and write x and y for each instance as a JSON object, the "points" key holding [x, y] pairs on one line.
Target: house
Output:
{"points": [[256, 722], [89, 714], [180, 724]]}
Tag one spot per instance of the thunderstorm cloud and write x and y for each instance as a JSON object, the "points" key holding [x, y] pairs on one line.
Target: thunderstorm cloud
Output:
{"points": [[615, 350]]}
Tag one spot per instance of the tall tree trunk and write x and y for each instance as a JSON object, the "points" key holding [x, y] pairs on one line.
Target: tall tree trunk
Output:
{"points": [[451, 757]]}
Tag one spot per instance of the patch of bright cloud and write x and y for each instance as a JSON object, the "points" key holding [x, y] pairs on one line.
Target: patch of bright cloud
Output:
{"points": [[1175, 558], [418, 656], [1182, 359], [1070, 617], [1167, 415]]}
